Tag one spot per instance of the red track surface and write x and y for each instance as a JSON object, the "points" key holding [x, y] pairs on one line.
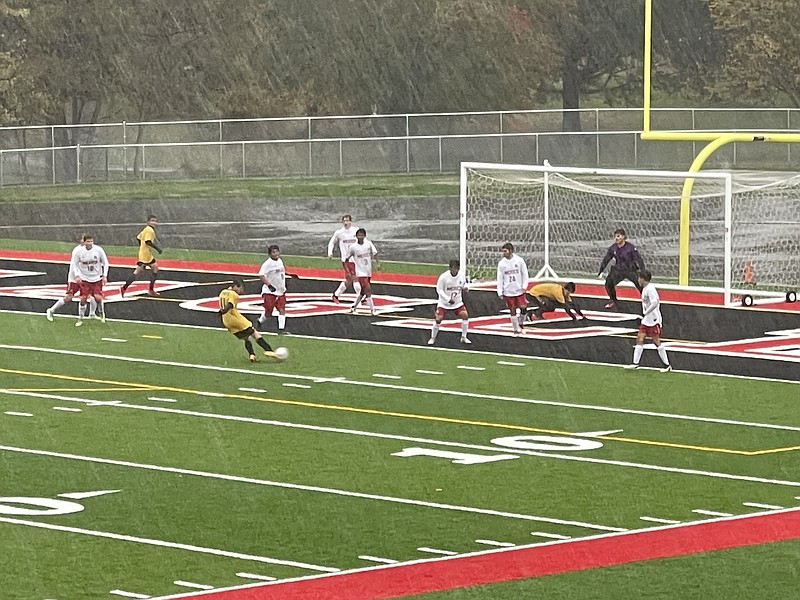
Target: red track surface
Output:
{"points": [[531, 561]]}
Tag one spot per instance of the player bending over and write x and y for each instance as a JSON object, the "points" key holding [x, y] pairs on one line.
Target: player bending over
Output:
{"points": [[546, 297]]}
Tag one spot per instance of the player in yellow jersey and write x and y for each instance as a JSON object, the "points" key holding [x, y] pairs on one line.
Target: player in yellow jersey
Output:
{"points": [[546, 297], [145, 258], [238, 324]]}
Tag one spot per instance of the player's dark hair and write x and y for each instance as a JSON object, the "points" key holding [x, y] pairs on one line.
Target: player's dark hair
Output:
{"points": [[150, 217], [347, 217], [620, 231], [646, 275], [272, 247], [87, 236], [237, 283], [455, 263], [508, 246], [361, 230], [570, 287]]}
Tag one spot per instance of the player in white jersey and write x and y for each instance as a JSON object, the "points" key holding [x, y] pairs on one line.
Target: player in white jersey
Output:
{"points": [[512, 282], [345, 237], [450, 288], [90, 264], [273, 291], [363, 252], [651, 323], [72, 288]]}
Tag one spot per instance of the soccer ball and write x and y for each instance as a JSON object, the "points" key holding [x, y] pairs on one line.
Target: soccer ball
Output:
{"points": [[282, 353]]}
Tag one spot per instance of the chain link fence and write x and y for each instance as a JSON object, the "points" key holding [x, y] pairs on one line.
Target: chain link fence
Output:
{"points": [[378, 144]]}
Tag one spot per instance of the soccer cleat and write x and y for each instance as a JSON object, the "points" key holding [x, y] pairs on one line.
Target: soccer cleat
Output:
{"points": [[253, 358], [353, 310], [465, 340], [611, 304], [532, 316], [282, 331], [666, 369], [261, 320], [153, 294], [79, 323], [335, 299], [102, 318], [431, 342], [373, 312], [632, 366], [122, 291], [49, 314], [271, 354]]}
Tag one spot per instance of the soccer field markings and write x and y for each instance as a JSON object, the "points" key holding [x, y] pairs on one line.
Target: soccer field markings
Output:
{"points": [[391, 345], [495, 544], [133, 386], [12, 413], [125, 594], [378, 559], [67, 409], [711, 513], [659, 520], [192, 585], [168, 544], [310, 488], [763, 506], [439, 391], [426, 372], [437, 551], [255, 576], [383, 413], [550, 455], [550, 536], [160, 399], [116, 340]]}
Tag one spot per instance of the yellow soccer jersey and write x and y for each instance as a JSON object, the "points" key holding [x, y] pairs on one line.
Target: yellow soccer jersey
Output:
{"points": [[550, 290], [233, 320], [148, 234]]}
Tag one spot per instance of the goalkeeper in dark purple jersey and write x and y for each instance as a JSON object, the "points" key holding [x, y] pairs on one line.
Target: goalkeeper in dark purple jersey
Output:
{"points": [[627, 264]]}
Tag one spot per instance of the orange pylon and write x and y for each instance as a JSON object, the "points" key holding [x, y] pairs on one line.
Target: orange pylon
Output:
{"points": [[749, 274]]}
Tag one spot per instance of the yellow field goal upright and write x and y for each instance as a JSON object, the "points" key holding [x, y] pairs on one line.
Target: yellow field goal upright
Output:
{"points": [[716, 140]]}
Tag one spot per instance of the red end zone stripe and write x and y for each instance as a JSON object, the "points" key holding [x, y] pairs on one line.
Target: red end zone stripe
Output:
{"points": [[531, 561], [221, 267]]}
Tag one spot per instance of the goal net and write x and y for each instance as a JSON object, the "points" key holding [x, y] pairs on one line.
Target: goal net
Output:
{"points": [[741, 233]]}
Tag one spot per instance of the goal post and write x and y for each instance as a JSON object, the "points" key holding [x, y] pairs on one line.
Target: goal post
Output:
{"points": [[562, 219]]}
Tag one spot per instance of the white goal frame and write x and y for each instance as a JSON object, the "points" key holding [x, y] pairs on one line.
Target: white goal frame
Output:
{"points": [[546, 248]]}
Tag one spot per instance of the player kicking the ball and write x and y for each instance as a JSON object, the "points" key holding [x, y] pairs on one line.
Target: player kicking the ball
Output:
{"points": [[237, 324]]}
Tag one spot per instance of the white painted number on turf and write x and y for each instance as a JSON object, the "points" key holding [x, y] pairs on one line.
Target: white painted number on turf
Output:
{"points": [[21, 506], [458, 458], [547, 442]]}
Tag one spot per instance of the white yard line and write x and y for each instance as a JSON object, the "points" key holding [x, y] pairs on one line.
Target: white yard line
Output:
{"points": [[311, 488], [711, 513], [256, 577], [548, 455], [165, 544], [378, 559], [658, 520], [125, 594], [437, 391]]}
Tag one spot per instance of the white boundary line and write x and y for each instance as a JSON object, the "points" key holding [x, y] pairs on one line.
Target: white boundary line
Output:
{"points": [[310, 488], [375, 384]]}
